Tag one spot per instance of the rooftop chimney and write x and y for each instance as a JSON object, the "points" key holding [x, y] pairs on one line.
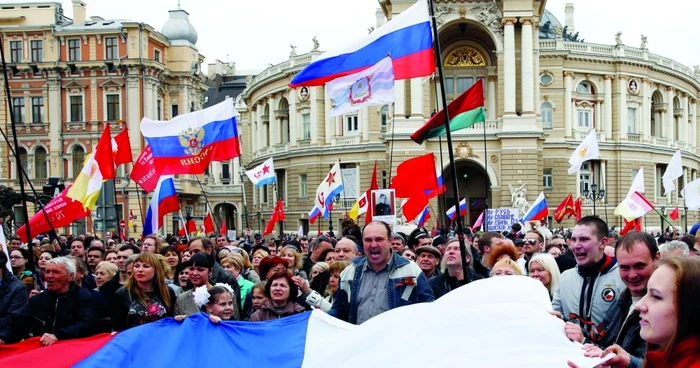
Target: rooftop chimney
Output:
{"points": [[79, 12], [569, 18]]}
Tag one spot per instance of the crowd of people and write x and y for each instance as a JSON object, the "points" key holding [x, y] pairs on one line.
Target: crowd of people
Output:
{"points": [[636, 296]]}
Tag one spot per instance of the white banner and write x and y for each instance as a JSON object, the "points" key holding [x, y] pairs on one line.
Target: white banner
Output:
{"points": [[500, 219]]}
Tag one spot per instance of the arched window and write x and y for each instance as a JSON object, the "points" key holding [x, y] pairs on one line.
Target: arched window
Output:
{"points": [[78, 159], [585, 88], [40, 167], [23, 159], [547, 119], [384, 118]]}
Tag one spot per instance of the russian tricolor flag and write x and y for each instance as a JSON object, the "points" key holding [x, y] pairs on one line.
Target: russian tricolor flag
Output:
{"points": [[452, 212], [313, 214], [188, 143], [164, 201], [407, 38], [424, 217], [317, 340], [538, 211]]}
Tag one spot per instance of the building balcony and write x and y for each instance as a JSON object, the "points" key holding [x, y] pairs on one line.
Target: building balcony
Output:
{"points": [[304, 143], [660, 141], [231, 189], [634, 137]]}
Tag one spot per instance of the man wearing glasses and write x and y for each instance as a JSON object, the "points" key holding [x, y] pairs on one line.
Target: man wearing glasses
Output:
{"points": [[534, 243]]}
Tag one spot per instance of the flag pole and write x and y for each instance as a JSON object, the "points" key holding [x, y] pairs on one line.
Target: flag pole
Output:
{"points": [[458, 218], [245, 204], [391, 151], [486, 179], [187, 232], [206, 198], [18, 162], [443, 197], [114, 184], [274, 211], [138, 197]]}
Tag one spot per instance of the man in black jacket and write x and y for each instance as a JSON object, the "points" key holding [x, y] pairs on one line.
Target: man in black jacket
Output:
{"points": [[64, 311], [452, 276], [13, 297]]}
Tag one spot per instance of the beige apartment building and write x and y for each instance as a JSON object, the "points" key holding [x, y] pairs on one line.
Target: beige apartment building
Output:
{"points": [[544, 91], [71, 76]]}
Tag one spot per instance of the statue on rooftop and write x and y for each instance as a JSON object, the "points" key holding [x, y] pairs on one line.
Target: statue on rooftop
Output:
{"points": [[293, 51], [316, 44], [644, 42], [618, 39]]}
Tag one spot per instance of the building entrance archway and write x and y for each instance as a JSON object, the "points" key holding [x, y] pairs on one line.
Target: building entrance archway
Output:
{"points": [[473, 184]]}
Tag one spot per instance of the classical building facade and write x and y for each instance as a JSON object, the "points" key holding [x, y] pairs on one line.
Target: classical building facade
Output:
{"points": [[71, 76], [544, 91]]}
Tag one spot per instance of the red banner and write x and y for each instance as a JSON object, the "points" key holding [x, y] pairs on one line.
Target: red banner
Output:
{"points": [[62, 211], [144, 171]]}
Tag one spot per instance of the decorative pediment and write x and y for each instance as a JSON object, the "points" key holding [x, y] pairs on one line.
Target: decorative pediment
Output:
{"points": [[465, 56], [111, 85], [75, 86]]}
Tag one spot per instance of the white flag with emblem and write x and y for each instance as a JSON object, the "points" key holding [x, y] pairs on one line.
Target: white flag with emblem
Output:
{"points": [[587, 150]]}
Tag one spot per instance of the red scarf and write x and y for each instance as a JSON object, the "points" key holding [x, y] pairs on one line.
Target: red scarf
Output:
{"points": [[686, 354]]}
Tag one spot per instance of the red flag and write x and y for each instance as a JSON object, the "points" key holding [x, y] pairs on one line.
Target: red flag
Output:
{"points": [[566, 207], [415, 177], [223, 227], [674, 214], [191, 228], [635, 225], [277, 216], [144, 171], [103, 155], [121, 148], [577, 208], [208, 224], [61, 210], [372, 186]]}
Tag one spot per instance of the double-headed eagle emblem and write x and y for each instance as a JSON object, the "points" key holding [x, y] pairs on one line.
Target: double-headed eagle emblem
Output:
{"points": [[193, 140]]}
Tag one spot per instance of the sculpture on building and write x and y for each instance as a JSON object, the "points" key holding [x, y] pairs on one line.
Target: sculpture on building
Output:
{"points": [[316, 44], [618, 39], [644, 42], [293, 51], [490, 15], [440, 12], [696, 70], [518, 200]]}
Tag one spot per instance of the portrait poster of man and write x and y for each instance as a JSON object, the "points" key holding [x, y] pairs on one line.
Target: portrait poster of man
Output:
{"points": [[383, 205]]}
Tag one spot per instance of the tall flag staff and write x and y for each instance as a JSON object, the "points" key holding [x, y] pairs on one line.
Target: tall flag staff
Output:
{"points": [[443, 93], [443, 197], [121, 151]]}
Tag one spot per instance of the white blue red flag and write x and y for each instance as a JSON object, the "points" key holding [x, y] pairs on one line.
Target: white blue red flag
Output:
{"points": [[538, 211], [330, 187], [407, 38], [370, 87], [424, 217], [262, 174], [452, 212], [189, 142], [164, 201]]}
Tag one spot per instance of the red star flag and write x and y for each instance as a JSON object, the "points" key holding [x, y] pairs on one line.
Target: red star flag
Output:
{"points": [[587, 150], [691, 195], [331, 186], [262, 174]]}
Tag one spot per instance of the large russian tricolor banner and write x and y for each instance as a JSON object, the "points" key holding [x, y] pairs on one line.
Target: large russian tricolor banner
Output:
{"points": [[407, 38], [189, 142], [484, 310]]}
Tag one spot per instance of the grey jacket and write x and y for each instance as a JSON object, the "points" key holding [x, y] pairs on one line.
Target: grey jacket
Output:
{"points": [[588, 299]]}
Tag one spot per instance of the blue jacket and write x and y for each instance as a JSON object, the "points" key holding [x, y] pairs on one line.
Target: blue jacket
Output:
{"points": [[345, 303]]}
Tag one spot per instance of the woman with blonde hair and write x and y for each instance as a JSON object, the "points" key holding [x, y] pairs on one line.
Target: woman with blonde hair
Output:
{"points": [[104, 272], [248, 272], [294, 258], [145, 297], [234, 265], [506, 267], [258, 255], [544, 268]]}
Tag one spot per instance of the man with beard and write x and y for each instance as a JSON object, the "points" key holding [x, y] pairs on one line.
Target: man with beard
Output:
{"points": [[452, 275]]}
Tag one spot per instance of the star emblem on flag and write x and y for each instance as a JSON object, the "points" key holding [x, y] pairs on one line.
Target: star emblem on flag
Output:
{"points": [[331, 178], [266, 169]]}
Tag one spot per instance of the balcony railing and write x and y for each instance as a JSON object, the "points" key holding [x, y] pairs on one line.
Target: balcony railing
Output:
{"points": [[659, 141], [304, 143], [224, 189], [345, 140], [634, 137]]}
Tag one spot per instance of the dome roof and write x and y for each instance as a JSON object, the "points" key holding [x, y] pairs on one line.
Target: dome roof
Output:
{"points": [[179, 28], [548, 24]]}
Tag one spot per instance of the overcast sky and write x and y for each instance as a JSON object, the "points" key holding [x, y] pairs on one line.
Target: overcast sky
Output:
{"points": [[254, 33]]}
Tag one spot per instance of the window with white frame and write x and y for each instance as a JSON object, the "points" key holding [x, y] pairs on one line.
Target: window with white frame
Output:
{"points": [[113, 109], [76, 108], [631, 120], [37, 110], [547, 118], [74, 50], [156, 55], [659, 172], [306, 125], [584, 88], [303, 186], [584, 119], [547, 178], [351, 124], [37, 48], [384, 117], [15, 51], [586, 176]]}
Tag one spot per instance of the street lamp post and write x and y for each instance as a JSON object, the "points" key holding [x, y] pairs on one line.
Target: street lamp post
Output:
{"points": [[594, 194]]}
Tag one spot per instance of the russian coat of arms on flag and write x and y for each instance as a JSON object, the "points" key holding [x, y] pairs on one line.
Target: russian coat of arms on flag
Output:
{"points": [[361, 90], [192, 140]]}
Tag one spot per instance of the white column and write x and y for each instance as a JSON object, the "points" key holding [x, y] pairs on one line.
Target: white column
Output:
{"points": [[670, 131], [684, 123], [54, 117], [400, 99], [438, 102], [598, 112], [274, 122], [294, 129], [329, 128], [568, 107], [133, 113], [622, 112], [314, 92], [509, 66], [261, 126], [491, 100], [607, 106], [602, 174], [646, 110], [417, 97], [364, 115], [693, 123], [526, 72]]}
